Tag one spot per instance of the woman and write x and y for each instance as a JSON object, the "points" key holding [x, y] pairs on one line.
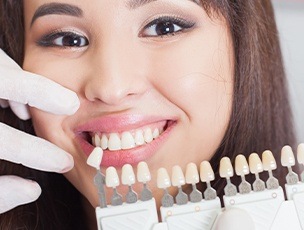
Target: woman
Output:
{"points": [[206, 77]]}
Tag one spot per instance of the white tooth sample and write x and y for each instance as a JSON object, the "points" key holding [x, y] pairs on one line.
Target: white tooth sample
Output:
{"points": [[226, 169], [148, 135], [127, 140], [268, 160], [287, 157], [104, 142], [97, 140], [192, 176], [163, 179], [139, 137], [241, 166], [255, 163], [127, 175], [95, 158], [206, 172], [112, 179], [143, 172], [114, 142], [155, 133], [177, 177], [300, 153]]}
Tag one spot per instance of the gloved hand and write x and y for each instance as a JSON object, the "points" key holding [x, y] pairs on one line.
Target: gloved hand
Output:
{"points": [[19, 88]]}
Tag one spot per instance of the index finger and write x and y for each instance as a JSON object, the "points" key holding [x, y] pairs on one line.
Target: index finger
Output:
{"points": [[37, 91]]}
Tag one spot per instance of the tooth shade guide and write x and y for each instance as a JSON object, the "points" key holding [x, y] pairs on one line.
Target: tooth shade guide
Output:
{"points": [[95, 158], [300, 157], [270, 164], [288, 160], [178, 179], [226, 171], [192, 177], [256, 166], [143, 176], [242, 169]]}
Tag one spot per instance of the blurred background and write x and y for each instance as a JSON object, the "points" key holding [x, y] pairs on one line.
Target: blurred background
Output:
{"points": [[290, 21]]}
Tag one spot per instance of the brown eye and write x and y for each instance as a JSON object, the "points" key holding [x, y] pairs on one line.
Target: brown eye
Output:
{"points": [[63, 39], [166, 26]]}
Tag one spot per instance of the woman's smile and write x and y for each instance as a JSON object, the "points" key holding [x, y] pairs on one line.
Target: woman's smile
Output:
{"points": [[124, 138]]}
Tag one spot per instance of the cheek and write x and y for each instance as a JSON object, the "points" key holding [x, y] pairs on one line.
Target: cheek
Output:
{"points": [[50, 127]]}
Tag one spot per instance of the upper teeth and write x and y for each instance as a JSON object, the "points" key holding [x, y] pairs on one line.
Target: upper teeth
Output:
{"points": [[125, 140]]}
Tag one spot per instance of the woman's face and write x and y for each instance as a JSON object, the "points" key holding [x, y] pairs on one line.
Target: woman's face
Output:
{"points": [[154, 79]]}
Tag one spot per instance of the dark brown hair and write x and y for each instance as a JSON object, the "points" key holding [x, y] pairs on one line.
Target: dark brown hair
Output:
{"points": [[261, 116]]}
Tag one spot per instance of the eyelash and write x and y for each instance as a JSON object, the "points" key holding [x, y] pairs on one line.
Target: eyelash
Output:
{"points": [[166, 25], [74, 40]]}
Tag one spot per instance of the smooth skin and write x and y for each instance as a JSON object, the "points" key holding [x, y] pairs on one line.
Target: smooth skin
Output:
{"points": [[166, 59]]}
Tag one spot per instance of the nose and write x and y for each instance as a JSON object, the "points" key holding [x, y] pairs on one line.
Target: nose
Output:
{"points": [[117, 73]]}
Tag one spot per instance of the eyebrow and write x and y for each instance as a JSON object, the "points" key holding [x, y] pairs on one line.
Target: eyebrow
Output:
{"points": [[57, 8], [133, 4]]}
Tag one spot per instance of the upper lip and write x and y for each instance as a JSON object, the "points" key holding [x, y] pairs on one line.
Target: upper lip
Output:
{"points": [[117, 123]]}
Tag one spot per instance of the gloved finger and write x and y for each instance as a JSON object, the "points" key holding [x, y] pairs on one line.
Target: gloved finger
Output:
{"points": [[16, 191], [4, 103], [20, 110], [33, 152], [37, 91]]}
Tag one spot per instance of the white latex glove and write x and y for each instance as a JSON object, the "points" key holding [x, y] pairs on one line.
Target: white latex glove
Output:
{"points": [[21, 88]]}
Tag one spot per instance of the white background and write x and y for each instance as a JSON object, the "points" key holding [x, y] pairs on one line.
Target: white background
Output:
{"points": [[290, 20]]}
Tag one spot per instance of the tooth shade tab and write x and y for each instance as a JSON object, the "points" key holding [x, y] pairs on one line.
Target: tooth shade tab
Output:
{"points": [[206, 172], [127, 175], [300, 153], [163, 179], [94, 159], [143, 172], [269, 163], [226, 169], [287, 157], [192, 176], [177, 177], [255, 163], [112, 179], [241, 165]]}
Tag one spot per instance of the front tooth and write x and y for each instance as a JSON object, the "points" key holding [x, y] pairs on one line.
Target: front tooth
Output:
{"points": [[97, 140], [139, 137], [104, 142], [155, 133], [114, 142], [127, 140], [148, 135]]}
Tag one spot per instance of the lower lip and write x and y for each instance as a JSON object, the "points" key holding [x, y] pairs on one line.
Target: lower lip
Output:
{"points": [[130, 156]]}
